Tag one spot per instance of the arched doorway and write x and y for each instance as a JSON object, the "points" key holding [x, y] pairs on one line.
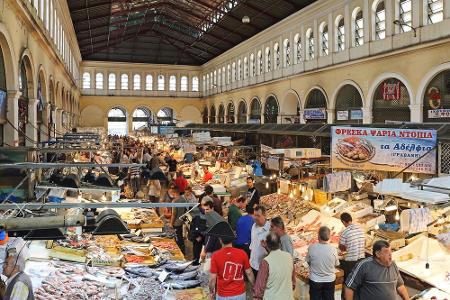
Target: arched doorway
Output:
{"points": [[255, 111], [142, 118], [25, 80], [205, 115], [348, 108], [436, 101], [271, 110], [117, 121], [165, 116], [212, 114], [315, 107], [242, 113], [391, 102], [230, 113], [221, 114], [3, 95]]}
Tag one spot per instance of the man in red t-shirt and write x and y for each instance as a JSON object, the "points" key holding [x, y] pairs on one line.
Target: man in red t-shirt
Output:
{"points": [[181, 182], [227, 271]]}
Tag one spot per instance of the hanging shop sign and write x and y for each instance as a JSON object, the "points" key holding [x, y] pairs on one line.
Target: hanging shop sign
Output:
{"points": [[383, 149], [356, 114], [342, 115], [315, 113], [166, 130], [439, 113], [391, 91]]}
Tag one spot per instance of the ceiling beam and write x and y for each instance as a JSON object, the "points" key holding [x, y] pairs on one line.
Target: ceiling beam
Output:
{"points": [[83, 7]]}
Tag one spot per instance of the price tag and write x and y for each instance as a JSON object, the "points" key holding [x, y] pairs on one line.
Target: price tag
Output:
{"points": [[163, 276]]}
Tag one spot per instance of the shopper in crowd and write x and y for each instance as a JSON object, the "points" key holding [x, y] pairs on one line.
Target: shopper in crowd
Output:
{"points": [[172, 163], [244, 230], [234, 211], [211, 243], [226, 279], [181, 182], [135, 176], [376, 277], [207, 175], [276, 276], [253, 194], [197, 228], [18, 285], [146, 157], [175, 221], [277, 226], [322, 259], [260, 230], [209, 194], [352, 242]]}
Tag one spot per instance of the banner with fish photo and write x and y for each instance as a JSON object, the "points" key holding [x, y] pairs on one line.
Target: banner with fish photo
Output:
{"points": [[383, 149]]}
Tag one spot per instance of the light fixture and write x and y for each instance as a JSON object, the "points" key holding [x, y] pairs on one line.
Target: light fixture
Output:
{"points": [[291, 196], [403, 23], [245, 19], [279, 191], [80, 197], [267, 184], [390, 207], [109, 222], [306, 198], [397, 216], [274, 176], [103, 198], [377, 226]]}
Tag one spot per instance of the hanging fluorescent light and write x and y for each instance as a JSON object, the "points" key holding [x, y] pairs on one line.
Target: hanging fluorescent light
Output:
{"points": [[391, 207], [267, 184]]}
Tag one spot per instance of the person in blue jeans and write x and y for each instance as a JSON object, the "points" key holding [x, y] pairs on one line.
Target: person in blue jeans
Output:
{"points": [[244, 230]]}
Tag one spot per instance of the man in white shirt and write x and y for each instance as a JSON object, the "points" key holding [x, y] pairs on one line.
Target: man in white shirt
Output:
{"points": [[260, 230]]}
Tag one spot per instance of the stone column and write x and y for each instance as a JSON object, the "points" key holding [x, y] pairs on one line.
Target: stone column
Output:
{"points": [[367, 19], [446, 9], [58, 122], [330, 115], [11, 135], [247, 118], [262, 118], [416, 113], [31, 127], [348, 27], [367, 115], [302, 117], [236, 116], [129, 124], [390, 17]]}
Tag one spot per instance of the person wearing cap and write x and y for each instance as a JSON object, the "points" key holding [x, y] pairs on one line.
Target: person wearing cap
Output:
{"points": [[18, 285], [226, 281], [276, 276]]}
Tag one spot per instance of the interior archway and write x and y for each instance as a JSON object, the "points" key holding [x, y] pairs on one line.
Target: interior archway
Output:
{"points": [[271, 110], [316, 107], [290, 109], [242, 112], [142, 118], [221, 114], [165, 116], [255, 111], [230, 113], [117, 121]]}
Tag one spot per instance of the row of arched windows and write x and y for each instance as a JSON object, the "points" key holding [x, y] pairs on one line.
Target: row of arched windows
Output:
{"points": [[136, 83], [270, 58]]}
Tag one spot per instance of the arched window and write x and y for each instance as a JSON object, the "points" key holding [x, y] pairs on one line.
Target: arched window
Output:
{"points": [[380, 21], [245, 67], [160, 82], [391, 102], [117, 121], [99, 81], [142, 118], [204, 84], [298, 49], [340, 34], [207, 82], [324, 40], [268, 65], [149, 82], [86, 80], [315, 107], [165, 116], [124, 82], [276, 53], [252, 65], [260, 63], [435, 11], [221, 114], [195, 84], [111, 81], [233, 72], [230, 113], [358, 29], [212, 115], [137, 82], [184, 84], [348, 105], [271, 110], [205, 115], [172, 83], [255, 111], [287, 53], [228, 74], [242, 113], [239, 70], [405, 15], [310, 39]]}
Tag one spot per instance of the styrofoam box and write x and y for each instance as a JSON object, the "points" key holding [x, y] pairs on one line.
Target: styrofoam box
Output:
{"points": [[332, 211], [360, 213], [303, 153]]}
